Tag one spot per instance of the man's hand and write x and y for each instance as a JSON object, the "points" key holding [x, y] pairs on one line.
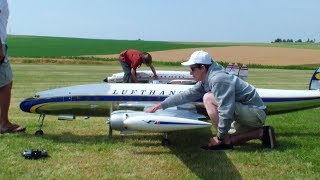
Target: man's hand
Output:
{"points": [[214, 141], [155, 77], [133, 75], [154, 108]]}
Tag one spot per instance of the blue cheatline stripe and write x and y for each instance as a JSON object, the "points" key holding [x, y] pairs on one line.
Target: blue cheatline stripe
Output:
{"points": [[289, 99], [27, 104], [170, 123], [177, 123]]}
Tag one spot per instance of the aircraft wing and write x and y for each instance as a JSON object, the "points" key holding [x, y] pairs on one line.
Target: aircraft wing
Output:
{"points": [[180, 113], [187, 110]]}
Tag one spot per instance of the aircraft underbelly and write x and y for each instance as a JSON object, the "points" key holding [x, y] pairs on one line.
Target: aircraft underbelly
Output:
{"points": [[84, 108], [277, 107]]}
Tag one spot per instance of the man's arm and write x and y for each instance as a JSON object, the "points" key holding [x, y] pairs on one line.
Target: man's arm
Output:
{"points": [[133, 75], [154, 72], [224, 94]]}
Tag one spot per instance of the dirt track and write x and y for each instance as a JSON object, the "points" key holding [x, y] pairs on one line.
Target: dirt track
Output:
{"points": [[244, 54]]}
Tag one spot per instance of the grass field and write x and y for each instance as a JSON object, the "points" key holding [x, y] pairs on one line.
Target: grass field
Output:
{"points": [[38, 46], [80, 149]]}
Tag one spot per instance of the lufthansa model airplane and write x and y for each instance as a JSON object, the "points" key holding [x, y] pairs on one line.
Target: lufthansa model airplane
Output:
{"points": [[102, 99]]}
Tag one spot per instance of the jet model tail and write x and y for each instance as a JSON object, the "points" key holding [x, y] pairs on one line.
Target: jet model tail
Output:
{"points": [[242, 72], [315, 80]]}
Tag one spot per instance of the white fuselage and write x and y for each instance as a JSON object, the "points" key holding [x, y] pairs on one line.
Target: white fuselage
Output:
{"points": [[95, 99], [98, 99]]}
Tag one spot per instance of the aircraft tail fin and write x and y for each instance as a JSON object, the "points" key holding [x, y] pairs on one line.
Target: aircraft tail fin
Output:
{"points": [[315, 80], [229, 67], [235, 69], [244, 72]]}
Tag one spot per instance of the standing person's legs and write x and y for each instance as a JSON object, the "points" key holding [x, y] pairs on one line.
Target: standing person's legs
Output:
{"points": [[5, 92], [5, 96], [127, 72]]}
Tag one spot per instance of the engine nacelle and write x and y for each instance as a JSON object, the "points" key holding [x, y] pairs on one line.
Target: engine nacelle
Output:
{"points": [[127, 120], [118, 117]]}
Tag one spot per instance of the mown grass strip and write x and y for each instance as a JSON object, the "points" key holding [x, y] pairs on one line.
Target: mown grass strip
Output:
{"points": [[95, 60]]}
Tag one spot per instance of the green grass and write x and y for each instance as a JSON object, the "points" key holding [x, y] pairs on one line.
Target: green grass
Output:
{"points": [[39, 46], [80, 149]]}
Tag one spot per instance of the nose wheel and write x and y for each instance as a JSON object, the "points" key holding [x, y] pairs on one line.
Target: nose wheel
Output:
{"points": [[39, 132]]}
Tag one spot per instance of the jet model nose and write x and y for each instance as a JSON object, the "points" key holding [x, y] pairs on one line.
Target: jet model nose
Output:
{"points": [[26, 104]]}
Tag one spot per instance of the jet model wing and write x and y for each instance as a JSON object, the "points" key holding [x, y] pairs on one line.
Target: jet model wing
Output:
{"points": [[181, 117], [161, 121]]}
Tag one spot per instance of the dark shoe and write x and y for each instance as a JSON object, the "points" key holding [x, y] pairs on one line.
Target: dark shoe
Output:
{"points": [[268, 137], [218, 147], [105, 80]]}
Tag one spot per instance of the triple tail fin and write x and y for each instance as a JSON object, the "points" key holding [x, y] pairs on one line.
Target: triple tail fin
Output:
{"points": [[242, 72], [315, 80]]}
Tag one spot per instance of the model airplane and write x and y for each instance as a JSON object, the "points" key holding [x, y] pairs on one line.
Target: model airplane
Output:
{"points": [[101, 99], [176, 77], [164, 77]]}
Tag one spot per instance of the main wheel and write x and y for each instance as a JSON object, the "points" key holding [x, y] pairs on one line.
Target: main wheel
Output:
{"points": [[39, 133], [165, 142]]}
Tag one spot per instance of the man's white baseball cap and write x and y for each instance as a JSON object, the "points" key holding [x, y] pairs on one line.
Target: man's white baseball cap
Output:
{"points": [[198, 57]]}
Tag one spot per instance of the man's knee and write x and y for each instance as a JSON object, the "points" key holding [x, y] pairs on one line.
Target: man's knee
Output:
{"points": [[6, 87], [209, 98]]}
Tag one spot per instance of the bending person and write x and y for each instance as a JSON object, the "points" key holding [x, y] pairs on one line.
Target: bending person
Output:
{"points": [[130, 60]]}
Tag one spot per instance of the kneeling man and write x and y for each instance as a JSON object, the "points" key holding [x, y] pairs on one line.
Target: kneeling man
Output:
{"points": [[228, 101]]}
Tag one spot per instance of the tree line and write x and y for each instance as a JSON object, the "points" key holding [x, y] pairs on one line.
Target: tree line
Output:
{"points": [[279, 40]]}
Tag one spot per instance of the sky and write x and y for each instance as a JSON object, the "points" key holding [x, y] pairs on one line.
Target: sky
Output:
{"points": [[168, 20]]}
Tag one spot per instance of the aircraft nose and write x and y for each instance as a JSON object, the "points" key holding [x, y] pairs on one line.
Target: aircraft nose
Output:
{"points": [[26, 104]]}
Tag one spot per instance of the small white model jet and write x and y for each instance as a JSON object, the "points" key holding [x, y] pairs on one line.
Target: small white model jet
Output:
{"points": [[176, 77], [164, 77]]}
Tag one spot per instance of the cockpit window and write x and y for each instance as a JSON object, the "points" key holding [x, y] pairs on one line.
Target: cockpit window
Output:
{"points": [[36, 96]]}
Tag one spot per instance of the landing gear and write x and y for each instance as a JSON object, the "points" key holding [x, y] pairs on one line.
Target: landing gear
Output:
{"points": [[40, 121], [110, 131], [108, 122], [165, 141]]}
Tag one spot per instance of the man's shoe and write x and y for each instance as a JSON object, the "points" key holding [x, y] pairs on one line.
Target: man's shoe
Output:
{"points": [[218, 147], [268, 137]]}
